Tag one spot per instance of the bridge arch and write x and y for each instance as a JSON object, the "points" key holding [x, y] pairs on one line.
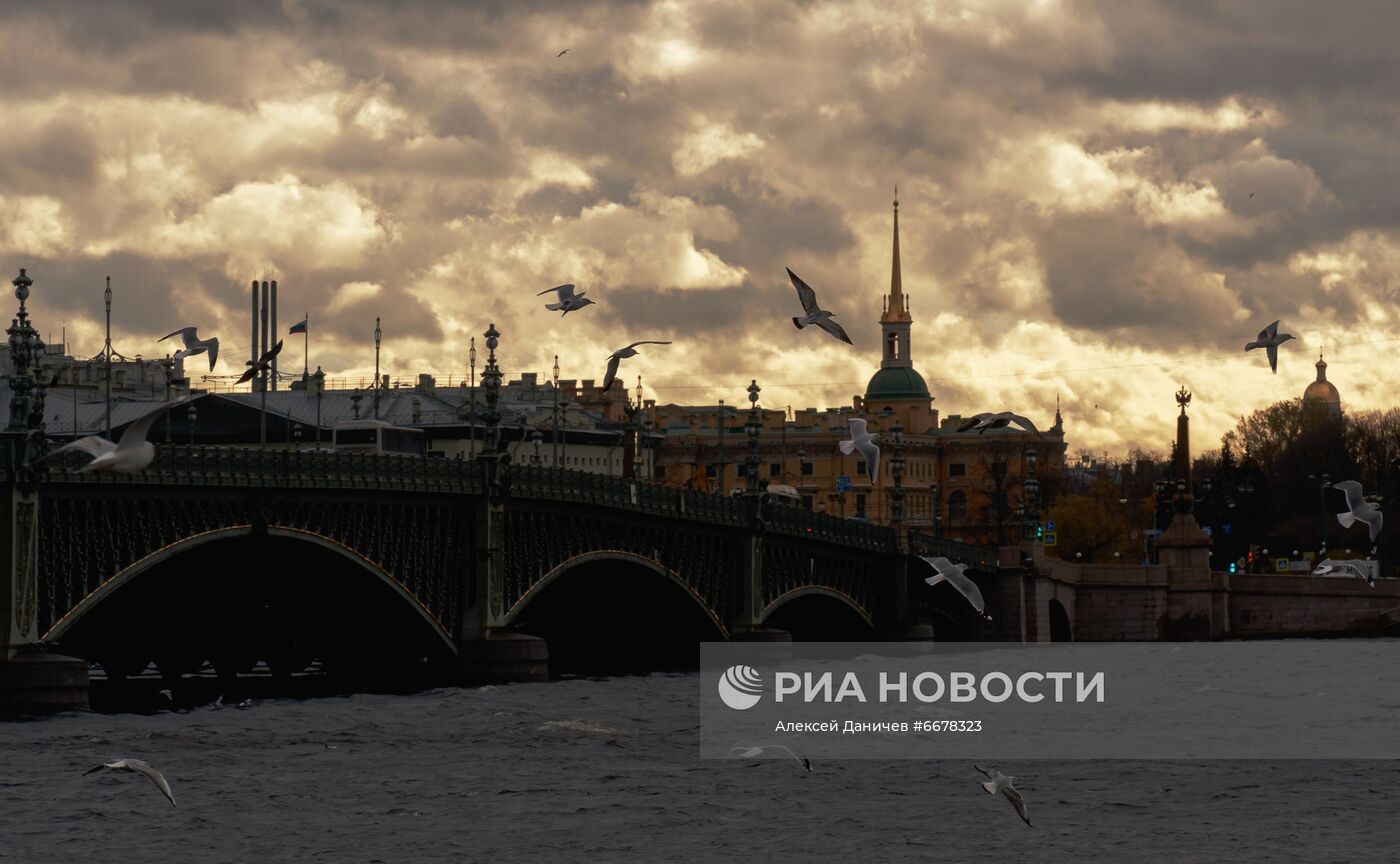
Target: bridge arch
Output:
{"points": [[816, 590], [166, 553], [613, 555]]}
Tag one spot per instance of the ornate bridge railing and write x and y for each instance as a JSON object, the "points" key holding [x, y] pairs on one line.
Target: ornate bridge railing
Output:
{"points": [[796, 521], [977, 557]]}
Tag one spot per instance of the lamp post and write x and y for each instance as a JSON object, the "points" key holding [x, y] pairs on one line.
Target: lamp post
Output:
{"points": [[471, 407], [378, 335], [1323, 484], [720, 472], [536, 439], [753, 428], [107, 356], [296, 435], [801, 469], [192, 415], [936, 500], [554, 427], [1032, 493]]}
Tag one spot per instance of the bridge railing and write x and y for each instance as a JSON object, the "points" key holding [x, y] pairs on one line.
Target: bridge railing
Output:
{"points": [[798, 521], [982, 557], [562, 484], [245, 466]]}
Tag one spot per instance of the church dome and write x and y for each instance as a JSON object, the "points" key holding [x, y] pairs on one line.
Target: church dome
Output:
{"points": [[896, 382], [1322, 390]]}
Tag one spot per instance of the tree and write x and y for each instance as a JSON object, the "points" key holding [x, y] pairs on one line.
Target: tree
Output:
{"points": [[1097, 522]]}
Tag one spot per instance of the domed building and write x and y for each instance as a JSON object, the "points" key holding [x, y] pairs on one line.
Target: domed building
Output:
{"points": [[1321, 401]]}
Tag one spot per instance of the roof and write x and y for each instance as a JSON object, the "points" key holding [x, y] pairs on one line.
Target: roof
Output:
{"points": [[896, 382]]}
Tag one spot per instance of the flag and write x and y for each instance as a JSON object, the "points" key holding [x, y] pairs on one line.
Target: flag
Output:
{"points": [[299, 327]]}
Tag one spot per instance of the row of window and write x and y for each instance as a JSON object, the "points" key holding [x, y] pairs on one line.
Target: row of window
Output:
{"points": [[775, 469]]}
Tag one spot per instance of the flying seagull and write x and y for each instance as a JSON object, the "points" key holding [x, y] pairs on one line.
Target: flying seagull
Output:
{"points": [[1358, 508], [568, 300], [129, 455], [561, 53], [195, 345], [1350, 567], [759, 750], [618, 356], [999, 782], [1251, 194], [815, 314], [865, 443], [1269, 339], [264, 363], [984, 421], [138, 767], [954, 574]]}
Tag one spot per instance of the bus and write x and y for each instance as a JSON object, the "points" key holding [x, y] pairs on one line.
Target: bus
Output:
{"points": [[379, 437]]}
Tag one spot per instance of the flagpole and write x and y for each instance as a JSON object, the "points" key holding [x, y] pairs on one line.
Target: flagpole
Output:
{"points": [[306, 346]]}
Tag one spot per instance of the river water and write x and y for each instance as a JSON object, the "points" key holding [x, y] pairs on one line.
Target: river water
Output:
{"points": [[609, 770]]}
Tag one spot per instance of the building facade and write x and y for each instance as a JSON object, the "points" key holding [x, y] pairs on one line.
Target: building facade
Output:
{"points": [[966, 486]]}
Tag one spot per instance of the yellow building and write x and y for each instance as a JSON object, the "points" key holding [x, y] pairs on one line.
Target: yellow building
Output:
{"points": [[961, 485]]}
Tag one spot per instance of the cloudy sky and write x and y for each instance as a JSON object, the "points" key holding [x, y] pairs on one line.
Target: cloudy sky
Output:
{"points": [[1100, 202]]}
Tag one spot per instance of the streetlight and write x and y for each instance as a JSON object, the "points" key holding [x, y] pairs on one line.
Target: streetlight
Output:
{"points": [[378, 335], [801, 468], [192, 414], [471, 415], [536, 438], [554, 428], [296, 435], [107, 355]]}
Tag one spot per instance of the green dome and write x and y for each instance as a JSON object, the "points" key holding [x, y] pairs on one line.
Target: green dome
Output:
{"points": [[896, 382]]}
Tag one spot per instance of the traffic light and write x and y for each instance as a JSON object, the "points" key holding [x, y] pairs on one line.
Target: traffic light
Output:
{"points": [[1040, 532], [1232, 566]]}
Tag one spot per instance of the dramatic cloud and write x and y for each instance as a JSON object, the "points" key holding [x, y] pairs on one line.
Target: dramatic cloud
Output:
{"points": [[1100, 201]]}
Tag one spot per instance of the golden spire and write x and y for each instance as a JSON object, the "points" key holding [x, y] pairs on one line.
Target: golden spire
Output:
{"points": [[895, 309]]}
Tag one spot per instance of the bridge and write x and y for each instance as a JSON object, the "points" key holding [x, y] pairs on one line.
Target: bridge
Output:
{"points": [[477, 569], [438, 560]]}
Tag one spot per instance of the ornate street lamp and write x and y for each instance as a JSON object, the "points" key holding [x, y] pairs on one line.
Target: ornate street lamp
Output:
{"points": [[897, 473], [537, 438], [378, 335], [753, 428], [1323, 484], [554, 428]]}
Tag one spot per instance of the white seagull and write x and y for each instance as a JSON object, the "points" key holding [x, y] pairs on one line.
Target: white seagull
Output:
{"points": [[814, 313], [1269, 339], [195, 345], [1350, 567], [139, 767], [953, 574], [568, 301], [1358, 508], [264, 363], [129, 455], [865, 443], [999, 782], [984, 421], [618, 356], [752, 752]]}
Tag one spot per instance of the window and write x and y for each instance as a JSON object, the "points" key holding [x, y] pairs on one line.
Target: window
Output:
{"points": [[807, 502], [807, 469], [892, 351], [659, 472], [957, 469], [775, 469], [957, 506], [860, 506], [710, 472], [860, 467]]}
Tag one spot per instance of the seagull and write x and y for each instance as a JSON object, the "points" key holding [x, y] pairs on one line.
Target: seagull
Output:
{"points": [[1269, 339], [815, 314], [263, 364], [751, 752], [1350, 567], [999, 782], [984, 421], [618, 356], [568, 300], [1358, 508], [195, 345], [129, 455], [139, 767], [865, 443], [1251, 194], [561, 53], [954, 574]]}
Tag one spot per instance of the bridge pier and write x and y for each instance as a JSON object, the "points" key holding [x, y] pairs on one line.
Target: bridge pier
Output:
{"points": [[504, 656]]}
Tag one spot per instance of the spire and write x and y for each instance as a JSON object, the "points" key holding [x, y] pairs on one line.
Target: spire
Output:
{"points": [[894, 306], [1321, 368], [1059, 420]]}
